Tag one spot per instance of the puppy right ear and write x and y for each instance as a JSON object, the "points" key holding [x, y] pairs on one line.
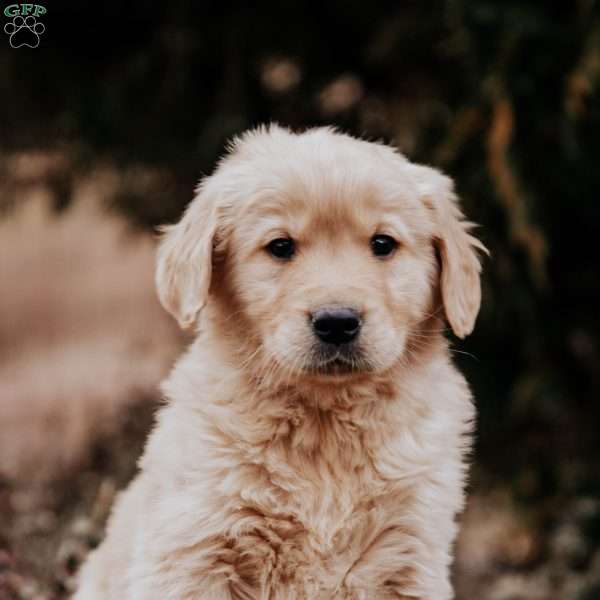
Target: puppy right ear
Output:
{"points": [[184, 261], [458, 249]]}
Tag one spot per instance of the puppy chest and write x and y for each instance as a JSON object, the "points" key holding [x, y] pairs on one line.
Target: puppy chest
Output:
{"points": [[309, 532], [280, 553]]}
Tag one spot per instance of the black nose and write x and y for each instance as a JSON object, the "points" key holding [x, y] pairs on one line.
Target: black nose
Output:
{"points": [[336, 325]]}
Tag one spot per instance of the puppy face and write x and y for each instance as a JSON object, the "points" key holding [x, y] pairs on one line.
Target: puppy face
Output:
{"points": [[332, 276], [328, 248]]}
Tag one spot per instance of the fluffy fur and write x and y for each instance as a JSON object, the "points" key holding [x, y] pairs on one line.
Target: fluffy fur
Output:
{"points": [[268, 476]]}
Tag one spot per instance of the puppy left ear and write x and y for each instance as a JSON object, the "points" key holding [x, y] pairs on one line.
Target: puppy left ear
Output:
{"points": [[460, 267], [184, 261]]}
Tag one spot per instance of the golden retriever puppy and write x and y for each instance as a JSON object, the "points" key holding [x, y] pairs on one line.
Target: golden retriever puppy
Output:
{"points": [[313, 441]]}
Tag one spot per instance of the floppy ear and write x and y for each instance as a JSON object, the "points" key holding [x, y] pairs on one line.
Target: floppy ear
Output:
{"points": [[184, 262], [457, 248]]}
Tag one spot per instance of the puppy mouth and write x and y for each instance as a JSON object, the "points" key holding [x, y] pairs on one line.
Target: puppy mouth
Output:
{"points": [[338, 362]]}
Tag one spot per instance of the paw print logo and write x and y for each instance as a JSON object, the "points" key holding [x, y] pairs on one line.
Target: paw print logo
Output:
{"points": [[24, 31]]}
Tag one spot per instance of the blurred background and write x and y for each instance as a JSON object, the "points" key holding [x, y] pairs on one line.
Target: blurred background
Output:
{"points": [[105, 128]]}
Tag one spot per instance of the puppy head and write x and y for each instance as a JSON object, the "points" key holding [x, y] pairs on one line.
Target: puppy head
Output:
{"points": [[327, 248]]}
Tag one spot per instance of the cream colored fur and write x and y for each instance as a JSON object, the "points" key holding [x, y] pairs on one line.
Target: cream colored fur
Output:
{"points": [[264, 478]]}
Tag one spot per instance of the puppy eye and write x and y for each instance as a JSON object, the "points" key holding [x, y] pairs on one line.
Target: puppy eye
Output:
{"points": [[282, 248], [383, 245]]}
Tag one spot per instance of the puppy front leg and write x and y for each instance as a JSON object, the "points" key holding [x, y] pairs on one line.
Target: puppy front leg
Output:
{"points": [[207, 570], [241, 564], [396, 566]]}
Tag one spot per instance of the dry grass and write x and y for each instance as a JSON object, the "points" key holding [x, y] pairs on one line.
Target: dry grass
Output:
{"points": [[83, 345], [81, 334]]}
